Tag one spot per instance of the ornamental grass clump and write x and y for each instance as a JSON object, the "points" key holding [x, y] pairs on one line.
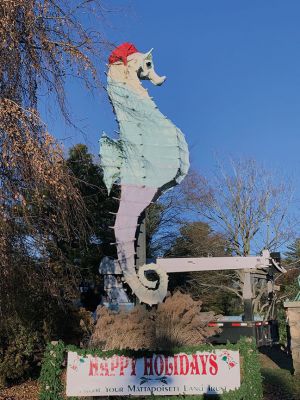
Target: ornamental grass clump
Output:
{"points": [[176, 322]]}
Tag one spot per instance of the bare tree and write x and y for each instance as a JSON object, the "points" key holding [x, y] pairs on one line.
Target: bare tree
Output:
{"points": [[164, 219], [42, 43], [246, 203], [250, 208]]}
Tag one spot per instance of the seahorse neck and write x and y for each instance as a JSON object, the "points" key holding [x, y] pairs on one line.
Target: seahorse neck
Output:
{"points": [[126, 75]]}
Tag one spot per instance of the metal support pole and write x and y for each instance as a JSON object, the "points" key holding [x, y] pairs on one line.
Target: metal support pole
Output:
{"points": [[247, 296], [141, 241]]}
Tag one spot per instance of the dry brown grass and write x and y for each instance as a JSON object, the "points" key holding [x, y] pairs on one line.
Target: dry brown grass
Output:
{"points": [[176, 322]]}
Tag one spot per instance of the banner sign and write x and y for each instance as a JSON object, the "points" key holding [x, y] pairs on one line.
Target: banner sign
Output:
{"points": [[119, 375]]}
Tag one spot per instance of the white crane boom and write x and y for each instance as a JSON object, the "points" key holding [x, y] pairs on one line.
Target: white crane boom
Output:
{"points": [[173, 265]]}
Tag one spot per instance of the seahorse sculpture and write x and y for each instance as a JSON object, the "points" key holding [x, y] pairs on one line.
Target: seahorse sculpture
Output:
{"points": [[150, 156]]}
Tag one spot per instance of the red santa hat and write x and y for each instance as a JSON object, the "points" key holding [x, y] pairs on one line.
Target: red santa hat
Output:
{"points": [[122, 52]]}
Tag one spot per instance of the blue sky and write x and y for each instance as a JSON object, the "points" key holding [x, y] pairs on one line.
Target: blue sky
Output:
{"points": [[233, 84]]}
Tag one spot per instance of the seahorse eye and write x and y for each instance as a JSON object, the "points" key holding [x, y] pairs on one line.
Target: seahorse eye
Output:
{"points": [[148, 64]]}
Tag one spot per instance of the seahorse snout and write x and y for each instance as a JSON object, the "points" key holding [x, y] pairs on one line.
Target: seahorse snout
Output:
{"points": [[156, 79]]}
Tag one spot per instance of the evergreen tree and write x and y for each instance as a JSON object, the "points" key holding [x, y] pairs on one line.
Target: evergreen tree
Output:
{"points": [[293, 254], [98, 207]]}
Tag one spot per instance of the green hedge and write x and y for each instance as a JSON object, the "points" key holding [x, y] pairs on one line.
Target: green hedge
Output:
{"points": [[51, 387]]}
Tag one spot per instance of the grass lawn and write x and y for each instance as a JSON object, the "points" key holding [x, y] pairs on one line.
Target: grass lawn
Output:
{"points": [[279, 384], [276, 367]]}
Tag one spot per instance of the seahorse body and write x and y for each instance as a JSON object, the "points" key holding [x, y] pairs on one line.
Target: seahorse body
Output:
{"points": [[150, 156]]}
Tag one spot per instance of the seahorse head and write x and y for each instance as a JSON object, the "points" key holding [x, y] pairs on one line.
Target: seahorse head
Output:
{"points": [[145, 68], [128, 65]]}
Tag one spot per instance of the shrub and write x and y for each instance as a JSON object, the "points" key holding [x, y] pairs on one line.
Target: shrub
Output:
{"points": [[17, 351], [23, 340]]}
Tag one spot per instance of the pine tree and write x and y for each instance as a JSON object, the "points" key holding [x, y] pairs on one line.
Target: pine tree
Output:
{"points": [[293, 254]]}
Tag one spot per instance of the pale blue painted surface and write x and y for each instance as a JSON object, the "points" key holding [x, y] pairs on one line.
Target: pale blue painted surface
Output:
{"points": [[151, 150]]}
